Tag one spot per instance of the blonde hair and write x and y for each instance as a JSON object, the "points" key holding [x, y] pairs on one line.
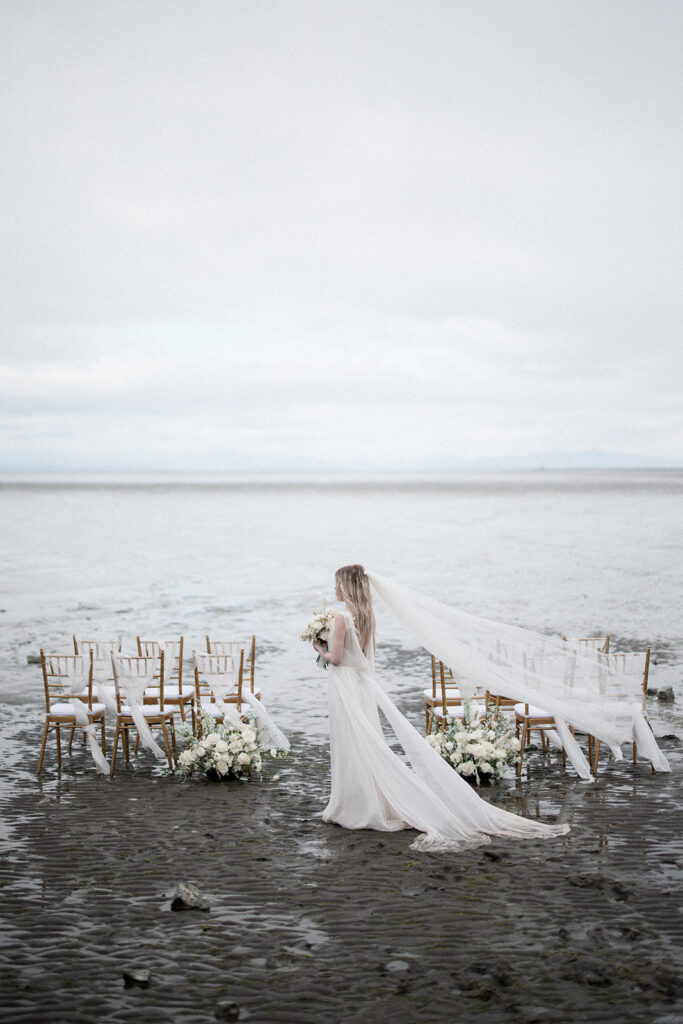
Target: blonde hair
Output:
{"points": [[354, 587]]}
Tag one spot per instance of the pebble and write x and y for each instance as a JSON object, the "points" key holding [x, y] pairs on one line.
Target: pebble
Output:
{"points": [[137, 977], [227, 1011], [188, 897], [397, 966]]}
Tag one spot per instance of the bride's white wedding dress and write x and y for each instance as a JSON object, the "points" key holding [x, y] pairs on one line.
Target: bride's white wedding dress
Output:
{"points": [[374, 788]]}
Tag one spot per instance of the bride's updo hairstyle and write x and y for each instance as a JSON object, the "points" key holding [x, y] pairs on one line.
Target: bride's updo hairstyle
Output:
{"points": [[354, 588]]}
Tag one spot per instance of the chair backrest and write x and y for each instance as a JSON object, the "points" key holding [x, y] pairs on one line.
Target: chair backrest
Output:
{"points": [[233, 647], [66, 676], [101, 652], [633, 663], [173, 656], [223, 666], [145, 667], [589, 643], [440, 673], [450, 697]]}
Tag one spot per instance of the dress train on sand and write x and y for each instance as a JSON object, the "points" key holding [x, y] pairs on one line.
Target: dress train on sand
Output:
{"points": [[372, 787]]}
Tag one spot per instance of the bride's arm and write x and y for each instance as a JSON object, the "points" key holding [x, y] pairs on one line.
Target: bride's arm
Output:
{"points": [[334, 653]]}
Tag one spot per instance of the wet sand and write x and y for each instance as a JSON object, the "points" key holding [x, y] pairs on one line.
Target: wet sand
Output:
{"points": [[310, 922]]}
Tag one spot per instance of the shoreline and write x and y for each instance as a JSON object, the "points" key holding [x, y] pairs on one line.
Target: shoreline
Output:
{"points": [[312, 922]]}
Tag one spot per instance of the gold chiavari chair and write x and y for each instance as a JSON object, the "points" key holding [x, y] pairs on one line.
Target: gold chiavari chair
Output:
{"points": [[531, 718], [629, 663], [494, 699], [234, 647], [176, 693], [155, 713], [218, 680], [432, 694], [498, 701], [585, 645], [451, 703], [59, 673]]}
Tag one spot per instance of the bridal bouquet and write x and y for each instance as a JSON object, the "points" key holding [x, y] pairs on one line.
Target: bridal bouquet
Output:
{"points": [[478, 747], [227, 751], [318, 629]]}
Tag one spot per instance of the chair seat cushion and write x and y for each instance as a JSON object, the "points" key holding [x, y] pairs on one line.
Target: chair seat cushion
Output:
{"points": [[216, 709], [534, 712], [451, 690], [454, 712], [66, 711], [173, 692], [148, 710]]}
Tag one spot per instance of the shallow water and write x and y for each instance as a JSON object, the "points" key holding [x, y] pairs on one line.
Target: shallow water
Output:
{"points": [[311, 922], [581, 553]]}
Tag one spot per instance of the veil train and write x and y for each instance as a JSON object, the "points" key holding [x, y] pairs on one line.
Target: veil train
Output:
{"points": [[584, 689]]}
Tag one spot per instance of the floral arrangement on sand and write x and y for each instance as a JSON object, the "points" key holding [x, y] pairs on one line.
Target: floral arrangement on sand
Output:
{"points": [[318, 630], [478, 746], [223, 751]]}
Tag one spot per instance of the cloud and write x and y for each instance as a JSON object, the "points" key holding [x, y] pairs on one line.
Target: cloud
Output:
{"points": [[446, 227]]}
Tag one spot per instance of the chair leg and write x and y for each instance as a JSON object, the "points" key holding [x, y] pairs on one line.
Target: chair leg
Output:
{"points": [[596, 756], [635, 752], [125, 740], [137, 742], [168, 749], [117, 730], [173, 742], [71, 737], [42, 748], [103, 738], [544, 741], [59, 747], [522, 747]]}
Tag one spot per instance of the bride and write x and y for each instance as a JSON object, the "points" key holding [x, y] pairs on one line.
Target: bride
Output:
{"points": [[371, 786]]}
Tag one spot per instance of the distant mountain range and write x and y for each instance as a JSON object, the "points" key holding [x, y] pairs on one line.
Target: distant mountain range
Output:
{"points": [[593, 459]]}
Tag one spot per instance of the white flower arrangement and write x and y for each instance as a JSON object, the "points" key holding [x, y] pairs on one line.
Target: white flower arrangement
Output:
{"points": [[223, 751], [318, 630], [478, 746]]}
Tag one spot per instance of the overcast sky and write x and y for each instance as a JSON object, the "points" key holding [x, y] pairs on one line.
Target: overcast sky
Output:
{"points": [[376, 234]]}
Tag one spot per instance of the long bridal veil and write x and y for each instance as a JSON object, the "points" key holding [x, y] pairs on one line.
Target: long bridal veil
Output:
{"points": [[374, 788], [585, 690]]}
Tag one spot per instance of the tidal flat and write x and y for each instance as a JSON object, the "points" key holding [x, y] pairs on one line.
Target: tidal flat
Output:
{"points": [[311, 922]]}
